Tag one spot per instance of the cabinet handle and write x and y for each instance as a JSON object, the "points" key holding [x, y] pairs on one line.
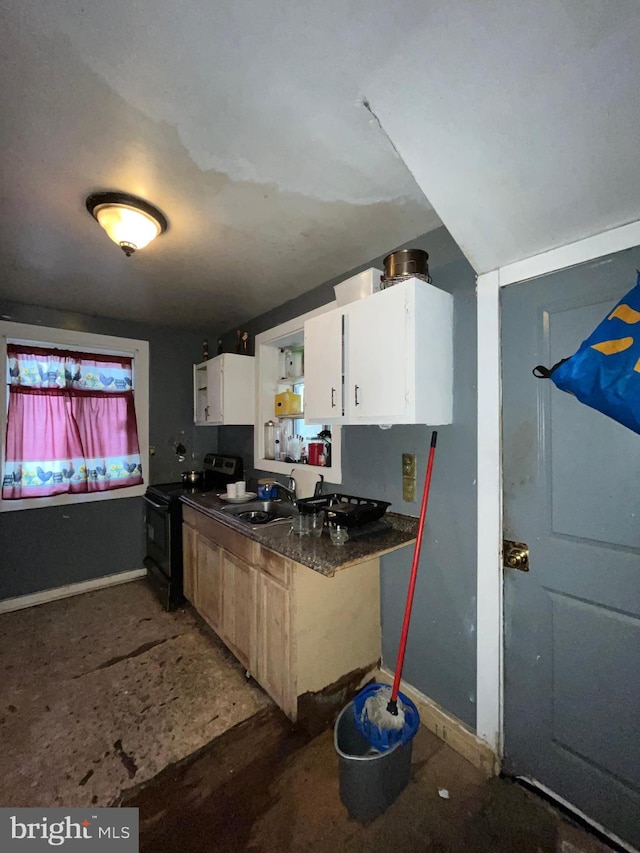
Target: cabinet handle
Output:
{"points": [[206, 413], [333, 398], [357, 388]]}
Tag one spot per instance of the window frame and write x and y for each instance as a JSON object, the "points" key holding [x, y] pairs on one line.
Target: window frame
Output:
{"points": [[11, 332]]}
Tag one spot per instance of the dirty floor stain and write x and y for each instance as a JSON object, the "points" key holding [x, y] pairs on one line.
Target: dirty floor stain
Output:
{"points": [[264, 787], [102, 691]]}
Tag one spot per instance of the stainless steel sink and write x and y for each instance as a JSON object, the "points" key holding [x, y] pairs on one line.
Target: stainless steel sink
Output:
{"points": [[261, 513]]}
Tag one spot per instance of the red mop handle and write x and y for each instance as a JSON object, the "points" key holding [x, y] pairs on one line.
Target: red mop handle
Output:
{"points": [[414, 570]]}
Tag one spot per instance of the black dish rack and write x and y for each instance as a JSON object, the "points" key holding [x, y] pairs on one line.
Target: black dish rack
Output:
{"points": [[344, 510]]}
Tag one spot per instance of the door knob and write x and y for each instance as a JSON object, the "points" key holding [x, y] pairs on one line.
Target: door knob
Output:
{"points": [[515, 555]]}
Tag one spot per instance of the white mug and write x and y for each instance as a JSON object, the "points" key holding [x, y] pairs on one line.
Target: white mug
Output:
{"points": [[232, 490], [241, 488]]}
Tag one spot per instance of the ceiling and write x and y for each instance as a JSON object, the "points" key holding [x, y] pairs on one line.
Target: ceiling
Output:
{"points": [[290, 143]]}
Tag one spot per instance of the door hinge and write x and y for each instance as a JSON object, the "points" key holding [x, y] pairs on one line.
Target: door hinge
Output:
{"points": [[515, 555]]}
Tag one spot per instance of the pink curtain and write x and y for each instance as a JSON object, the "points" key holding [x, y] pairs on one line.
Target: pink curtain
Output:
{"points": [[71, 425]]}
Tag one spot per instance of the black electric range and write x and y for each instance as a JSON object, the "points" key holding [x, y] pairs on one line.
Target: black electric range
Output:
{"points": [[164, 524]]}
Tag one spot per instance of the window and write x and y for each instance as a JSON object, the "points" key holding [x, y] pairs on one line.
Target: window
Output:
{"points": [[75, 416]]}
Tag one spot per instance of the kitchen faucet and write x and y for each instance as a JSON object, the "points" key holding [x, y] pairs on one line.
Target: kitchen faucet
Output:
{"points": [[290, 491]]}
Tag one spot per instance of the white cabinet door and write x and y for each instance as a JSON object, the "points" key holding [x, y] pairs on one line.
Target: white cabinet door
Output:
{"points": [[200, 399], [323, 368], [215, 411], [224, 390], [377, 357]]}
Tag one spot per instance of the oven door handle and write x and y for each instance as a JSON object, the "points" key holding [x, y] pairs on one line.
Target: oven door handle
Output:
{"points": [[161, 507]]}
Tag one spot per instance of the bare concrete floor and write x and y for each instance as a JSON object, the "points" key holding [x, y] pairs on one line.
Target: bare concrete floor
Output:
{"points": [[103, 690], [261, 787]]}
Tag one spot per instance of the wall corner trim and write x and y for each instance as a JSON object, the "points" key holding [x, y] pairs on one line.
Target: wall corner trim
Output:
{"points": [[448, 728], [489, 515], [8, 605]]}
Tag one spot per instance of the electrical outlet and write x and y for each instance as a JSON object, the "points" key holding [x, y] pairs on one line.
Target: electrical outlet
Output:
{"points": [[408, 489], [409, 465]]}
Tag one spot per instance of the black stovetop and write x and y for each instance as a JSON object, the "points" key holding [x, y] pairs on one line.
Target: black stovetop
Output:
{"points": [[219, 470], [173, 491]]}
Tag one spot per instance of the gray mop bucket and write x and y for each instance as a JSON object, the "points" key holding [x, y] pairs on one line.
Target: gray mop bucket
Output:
{"points": [[369, 780]]}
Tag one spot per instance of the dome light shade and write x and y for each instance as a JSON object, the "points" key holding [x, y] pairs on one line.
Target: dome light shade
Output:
{"points": [[129, 221]]}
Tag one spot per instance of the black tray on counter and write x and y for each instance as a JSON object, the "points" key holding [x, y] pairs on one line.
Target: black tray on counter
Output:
{"points": [[345, 510]]}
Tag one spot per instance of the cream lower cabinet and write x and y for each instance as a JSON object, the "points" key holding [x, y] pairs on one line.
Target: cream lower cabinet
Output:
{"points": [[294, 630], [222, 588], [274, 664], [209, 583], [238, 601], [189, 562]]}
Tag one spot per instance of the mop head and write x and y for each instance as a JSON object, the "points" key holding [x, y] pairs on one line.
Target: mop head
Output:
{"points": [[385, 730], [375, 710]]}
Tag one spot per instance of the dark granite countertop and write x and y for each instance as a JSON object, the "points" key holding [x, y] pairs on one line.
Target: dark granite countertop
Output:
{"points": [[319, 554]]}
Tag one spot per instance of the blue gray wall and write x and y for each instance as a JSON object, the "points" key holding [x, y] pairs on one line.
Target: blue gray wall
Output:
{"points": [[441, 652], [46, 548], [54, 546]]}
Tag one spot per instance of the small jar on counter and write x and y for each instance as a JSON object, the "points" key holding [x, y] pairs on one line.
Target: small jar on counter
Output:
{"points": [[339, 535]]}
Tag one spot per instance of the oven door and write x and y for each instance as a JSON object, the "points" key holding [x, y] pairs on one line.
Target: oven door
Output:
{"points": [[164, 551], [158, 536]]}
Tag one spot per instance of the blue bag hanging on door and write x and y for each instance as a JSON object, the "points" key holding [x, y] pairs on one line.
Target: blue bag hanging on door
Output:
{"points": [[605, 372]]}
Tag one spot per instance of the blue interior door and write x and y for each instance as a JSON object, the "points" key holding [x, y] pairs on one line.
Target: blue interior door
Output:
{"points": [[572, 494]]}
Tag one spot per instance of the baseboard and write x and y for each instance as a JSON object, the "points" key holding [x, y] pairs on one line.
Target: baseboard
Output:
{"points": [[448, 728], [35, 598]]}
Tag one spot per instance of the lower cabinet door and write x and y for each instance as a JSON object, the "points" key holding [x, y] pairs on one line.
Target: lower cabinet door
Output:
{"points": [[189, 562], [209, 583], [274, 647], [239, 603]]}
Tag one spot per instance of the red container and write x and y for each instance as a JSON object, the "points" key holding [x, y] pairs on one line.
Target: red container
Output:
{"points": [[316, 453]]}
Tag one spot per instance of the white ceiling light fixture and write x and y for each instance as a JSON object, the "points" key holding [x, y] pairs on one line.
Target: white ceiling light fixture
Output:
{"points": [[131, 222]]}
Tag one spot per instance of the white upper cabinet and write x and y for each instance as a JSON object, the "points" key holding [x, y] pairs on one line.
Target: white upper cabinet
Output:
{"points": [[323, 368], [224, 390], [396, 355], [378, 348]]}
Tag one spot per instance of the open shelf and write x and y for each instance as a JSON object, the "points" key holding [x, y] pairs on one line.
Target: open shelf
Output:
{"points": [[270, 381], [291, 380]]}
